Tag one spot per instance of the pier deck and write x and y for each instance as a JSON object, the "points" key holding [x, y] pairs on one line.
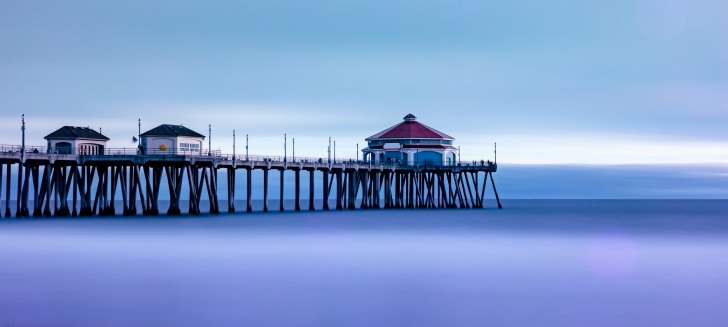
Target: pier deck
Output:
{"points": [[95, 181]]}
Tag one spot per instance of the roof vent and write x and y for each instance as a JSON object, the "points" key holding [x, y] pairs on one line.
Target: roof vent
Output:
{"points": [[410, 117]]}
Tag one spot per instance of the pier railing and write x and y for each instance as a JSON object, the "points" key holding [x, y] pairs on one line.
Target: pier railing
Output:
{"points": [[47, 177], [5, 148], [42, 151]]}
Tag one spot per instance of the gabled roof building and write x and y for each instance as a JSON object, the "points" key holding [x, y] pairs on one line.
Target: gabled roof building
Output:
{"points": [[411, 143], [76, 140], [169, 139]]}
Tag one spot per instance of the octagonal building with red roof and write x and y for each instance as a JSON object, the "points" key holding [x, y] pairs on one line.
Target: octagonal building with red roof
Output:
{"points": [[411, 143]]}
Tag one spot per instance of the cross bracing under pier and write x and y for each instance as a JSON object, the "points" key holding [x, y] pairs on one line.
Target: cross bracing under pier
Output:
{"points": [[94, 183]]}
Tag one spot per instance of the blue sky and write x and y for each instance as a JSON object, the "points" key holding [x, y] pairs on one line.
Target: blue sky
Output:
{"points": [[615, 82]]}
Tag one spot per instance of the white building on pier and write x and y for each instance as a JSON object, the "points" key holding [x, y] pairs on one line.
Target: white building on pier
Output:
{"points": [[169, 139], [411, 143], [76, 140]]}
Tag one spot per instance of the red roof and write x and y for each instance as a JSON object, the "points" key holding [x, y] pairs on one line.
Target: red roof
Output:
{"points": [[410, 129]]}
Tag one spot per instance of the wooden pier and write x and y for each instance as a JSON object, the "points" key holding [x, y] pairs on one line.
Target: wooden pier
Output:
{"points": [[94, 183]]}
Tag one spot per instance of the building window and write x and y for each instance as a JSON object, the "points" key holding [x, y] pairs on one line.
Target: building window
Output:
{"points": [[189, 147]]}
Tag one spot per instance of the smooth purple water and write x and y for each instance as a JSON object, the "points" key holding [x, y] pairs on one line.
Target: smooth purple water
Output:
{"points": [[535, 263]]}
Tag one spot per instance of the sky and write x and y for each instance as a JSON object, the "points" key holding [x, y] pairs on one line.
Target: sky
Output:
{"points": [[557, 82]]}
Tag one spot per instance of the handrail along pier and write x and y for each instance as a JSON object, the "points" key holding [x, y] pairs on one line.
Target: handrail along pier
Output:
{"points": [[95, 182]]}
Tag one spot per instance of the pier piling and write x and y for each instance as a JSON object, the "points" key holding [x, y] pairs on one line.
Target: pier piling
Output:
{"points": [[93, 183]]}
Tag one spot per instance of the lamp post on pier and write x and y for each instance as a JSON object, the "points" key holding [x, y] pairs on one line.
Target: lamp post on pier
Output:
{"points": [[233, 146], [495, 152], [329, 149], [459, 155], [22, 145], [294, 149], [209, 140], [357, 152], [139, 136], [246, 147], [334, 151], [285, 145]]}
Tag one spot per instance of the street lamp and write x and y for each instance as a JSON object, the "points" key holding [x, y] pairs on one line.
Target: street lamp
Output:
{"points": [[139, 136], [246, 147], [209, 140], [495, 152], [459, 155], [357, 152], [233, 145], [285, 145], [22, 145], [329, 149], [294, 149]]}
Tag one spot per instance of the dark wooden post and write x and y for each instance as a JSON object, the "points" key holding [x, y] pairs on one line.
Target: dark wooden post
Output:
{"points": [[327, 189], [339, 190], [310, 190], [1, 186], [281, 191], [231, 189], [495, 191], [248, 172], [24, 205], [19, 213], [265, 189], [74, 184], [298, 189]]}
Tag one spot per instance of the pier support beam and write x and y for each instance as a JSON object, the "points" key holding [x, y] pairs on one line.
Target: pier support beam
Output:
{"points": [[281, 193], [18, 212], [410, 190], [48, 184], [214, 203], [352, 180], [231, 189], [310, 190], [26, 189], [174, 181], [37, 184], [495, 191], [74, 184], [339, 190], [265, 190], [1, 187], [327, 190], [7, 191], [298, 189], [193, 181], [249, 200]]}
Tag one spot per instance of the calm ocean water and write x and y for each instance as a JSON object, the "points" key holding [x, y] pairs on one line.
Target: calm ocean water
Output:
{"points": [[535, 263]]}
